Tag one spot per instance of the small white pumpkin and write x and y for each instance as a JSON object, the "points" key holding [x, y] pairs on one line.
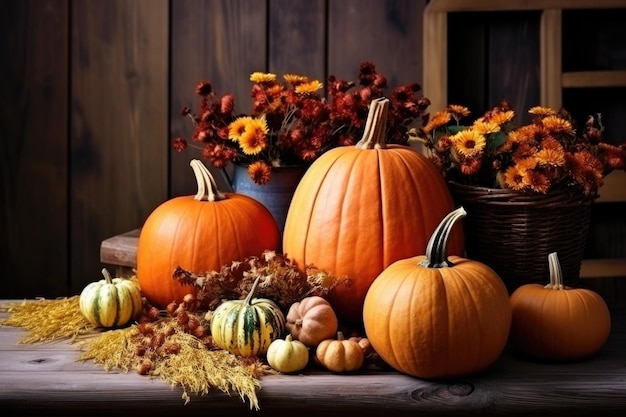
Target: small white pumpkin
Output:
{"points": [[111, 302], [288, 355]]}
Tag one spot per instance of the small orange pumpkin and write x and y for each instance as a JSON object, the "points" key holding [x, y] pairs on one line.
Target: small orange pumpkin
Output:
{"points": [[199, 233], [340, 355], [437, 317], [556, 322], [360, 208]]}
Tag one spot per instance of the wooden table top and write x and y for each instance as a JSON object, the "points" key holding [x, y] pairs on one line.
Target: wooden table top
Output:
{"points": [[47, 379]]}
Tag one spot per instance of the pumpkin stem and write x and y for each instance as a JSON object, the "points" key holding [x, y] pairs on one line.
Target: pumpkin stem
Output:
{"points": [[436, 250], [252, 290], [107, 276], [375, 125], [556, 275], [207, 187]]}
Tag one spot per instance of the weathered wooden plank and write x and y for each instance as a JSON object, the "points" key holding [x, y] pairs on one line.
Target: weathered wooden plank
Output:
{"points": [[119, 123], [33, 148], [387, 33], [219, 41], [120, 250], [297, 38]]}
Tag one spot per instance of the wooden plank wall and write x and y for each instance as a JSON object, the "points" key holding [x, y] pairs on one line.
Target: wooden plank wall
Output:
{"points": [[90, 97]]}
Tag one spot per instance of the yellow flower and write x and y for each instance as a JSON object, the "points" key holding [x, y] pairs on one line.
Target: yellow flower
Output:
{"points": [[309, 87], [254, 138], [469, 142], [295, 79], [262, 77], [439, 119], [556, 124], [236, 128], [541, 111], [501, 117], [485, 128], [458, 111]]}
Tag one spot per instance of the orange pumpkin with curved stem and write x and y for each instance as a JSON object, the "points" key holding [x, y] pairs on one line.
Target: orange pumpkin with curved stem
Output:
{"points": [[360, 208], [199, 233], [556, 322], [434, 316]]}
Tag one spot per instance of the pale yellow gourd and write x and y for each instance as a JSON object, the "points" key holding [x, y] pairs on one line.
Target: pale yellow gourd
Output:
{"points": [[287, 355]]}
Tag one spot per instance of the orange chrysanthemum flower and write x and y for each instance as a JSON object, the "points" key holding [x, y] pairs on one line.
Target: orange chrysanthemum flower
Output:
{"points": [[458, 112], [484, 127], [469, 142], [515, 178], [538, 181], [295, 79], [501, 117], [470, 166], [541, 111], [439, 119], [551, 153], [260, 172], [557, 124]]}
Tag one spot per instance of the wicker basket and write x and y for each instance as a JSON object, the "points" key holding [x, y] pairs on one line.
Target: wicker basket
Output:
{"points": [[513, 233]]}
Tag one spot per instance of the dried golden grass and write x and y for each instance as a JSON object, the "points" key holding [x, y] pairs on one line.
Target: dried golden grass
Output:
{"points": [[194, 368], [48, 320]]}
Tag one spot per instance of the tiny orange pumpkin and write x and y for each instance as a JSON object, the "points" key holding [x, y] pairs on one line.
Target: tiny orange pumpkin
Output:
{"points": [[340, 355]]}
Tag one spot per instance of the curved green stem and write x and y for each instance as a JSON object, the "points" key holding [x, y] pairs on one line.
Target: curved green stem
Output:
{"points": [[107, 276], [252, 290], [436, 250]]}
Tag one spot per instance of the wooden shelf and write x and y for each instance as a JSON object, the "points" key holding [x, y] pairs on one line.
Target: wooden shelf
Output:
{"points": [[593, 79]]}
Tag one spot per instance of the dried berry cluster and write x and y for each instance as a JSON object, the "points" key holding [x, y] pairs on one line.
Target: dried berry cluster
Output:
{"points": [[155, 335]]}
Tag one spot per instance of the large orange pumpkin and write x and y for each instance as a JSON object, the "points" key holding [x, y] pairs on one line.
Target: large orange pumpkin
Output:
{"points": [[199, 233], [359, 208], [434, 316], [556, 322]]}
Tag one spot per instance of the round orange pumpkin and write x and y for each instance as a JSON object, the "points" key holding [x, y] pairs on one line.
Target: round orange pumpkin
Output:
{"points": [[556, 322], [360, 208], [435, 317], [199, 233]]}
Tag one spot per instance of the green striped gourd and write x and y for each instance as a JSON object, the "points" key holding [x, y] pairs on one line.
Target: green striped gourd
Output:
{"points": [[247, 327], [111, 302]]}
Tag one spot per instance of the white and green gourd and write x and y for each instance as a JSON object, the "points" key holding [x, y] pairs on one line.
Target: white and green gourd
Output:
{"points": [[111, 302], [247, 327]]}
